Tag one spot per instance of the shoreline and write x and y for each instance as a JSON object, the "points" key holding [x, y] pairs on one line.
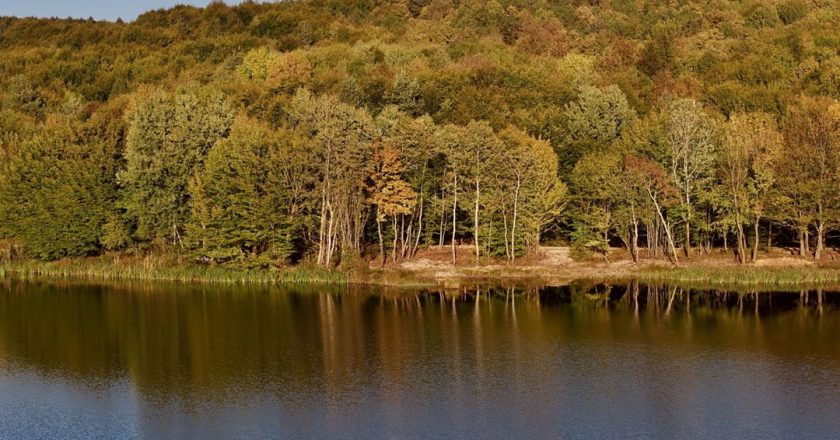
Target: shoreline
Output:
{"points": [[429, 273]]}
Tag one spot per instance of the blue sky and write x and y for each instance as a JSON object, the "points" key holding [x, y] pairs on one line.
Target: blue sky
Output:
{"points": [[98, 9]]}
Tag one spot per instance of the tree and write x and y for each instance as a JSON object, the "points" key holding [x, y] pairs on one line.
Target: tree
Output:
{"points": [[340, 142], [239, 204], [449, 138], [169, 135], [406, 95], [748, 160], [691, 137], [655, 181], [593, 183], [390, 194], [484, 150], [58, 191], [812, 142], [630, 204], [497, 83], [533, 194], [420, 157], [595, 121], [21, 95]]}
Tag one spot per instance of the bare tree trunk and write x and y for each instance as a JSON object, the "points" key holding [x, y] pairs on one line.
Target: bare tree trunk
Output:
{"points": [[176, 238], [442, 237], [322, 233], [769, 235], [802, 243], [742, 244], [515, 214], [330, 236], [454, 219], [725, 241], [634, 240], [396, 236], [634, 235], [807, 241], [755, 239], [656, 236], [381, 243], [489, 240], [820, 239], [505, 236], [419, 227], [475, 220], [673, 253], [403, 236]]}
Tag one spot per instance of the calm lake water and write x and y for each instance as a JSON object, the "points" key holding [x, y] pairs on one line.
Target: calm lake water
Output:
{"points": [[168, 361]]}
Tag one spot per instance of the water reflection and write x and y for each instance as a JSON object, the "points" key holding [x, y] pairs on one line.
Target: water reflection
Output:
{"points": [[151, 361]]}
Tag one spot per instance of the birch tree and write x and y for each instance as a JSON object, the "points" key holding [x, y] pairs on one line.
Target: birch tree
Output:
{"points": [[747, 168], [691, 137], [651, 178], [340, 142], [529, 188], [812, 144]]}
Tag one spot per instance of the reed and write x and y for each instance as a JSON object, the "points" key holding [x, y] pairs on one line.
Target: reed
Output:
{"points": [[101, 269], [743, 276]]}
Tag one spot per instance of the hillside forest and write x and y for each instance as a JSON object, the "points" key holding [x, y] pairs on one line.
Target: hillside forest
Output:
{"points": [[335, 131]]}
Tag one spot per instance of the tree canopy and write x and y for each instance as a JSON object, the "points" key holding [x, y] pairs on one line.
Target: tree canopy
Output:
{"points": [[321, 130]]}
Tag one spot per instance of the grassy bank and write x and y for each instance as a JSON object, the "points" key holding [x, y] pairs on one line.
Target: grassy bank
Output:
{"points": [[167, 268], [736, 276], [107, 269]]}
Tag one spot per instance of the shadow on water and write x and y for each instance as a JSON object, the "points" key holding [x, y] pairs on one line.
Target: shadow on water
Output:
{"points": [[149, 360]]}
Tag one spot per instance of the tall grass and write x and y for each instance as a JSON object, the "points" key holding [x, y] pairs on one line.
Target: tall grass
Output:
{"points": [[100, 269], [167, 268], [743, 276]]}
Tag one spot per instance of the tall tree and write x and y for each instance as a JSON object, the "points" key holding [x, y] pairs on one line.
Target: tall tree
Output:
{"points": [[593, 183], [748, 159], [812, 135], [532, 193], [58, 191], [692, 136], [594, 122], [169, 135], [240, 206], [484, 151], [656, 182], [450, 138], [390, 194], [340, 142]]}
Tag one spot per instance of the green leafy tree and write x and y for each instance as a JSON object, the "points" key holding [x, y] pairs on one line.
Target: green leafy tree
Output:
{"points": [[169, 135], [532, 194], [340, 143], [593, 185], [238, 208], [654, 180], [58, 190], [595, 121], [748, 161], [812, 144]]}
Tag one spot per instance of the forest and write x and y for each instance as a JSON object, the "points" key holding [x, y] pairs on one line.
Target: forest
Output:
{"points": [[330, 132]]}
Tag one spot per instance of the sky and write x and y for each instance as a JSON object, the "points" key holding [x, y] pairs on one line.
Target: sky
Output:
{"points": [[99, 9]]}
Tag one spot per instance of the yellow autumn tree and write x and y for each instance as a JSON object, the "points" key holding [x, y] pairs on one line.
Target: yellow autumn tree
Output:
{"points": [[392, 196]]}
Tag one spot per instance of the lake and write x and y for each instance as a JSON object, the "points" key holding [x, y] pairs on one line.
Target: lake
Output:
{"points": [[173, 361]]}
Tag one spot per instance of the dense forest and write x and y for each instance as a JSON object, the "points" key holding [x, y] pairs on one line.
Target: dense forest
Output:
{"points": [[336, 131]]}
